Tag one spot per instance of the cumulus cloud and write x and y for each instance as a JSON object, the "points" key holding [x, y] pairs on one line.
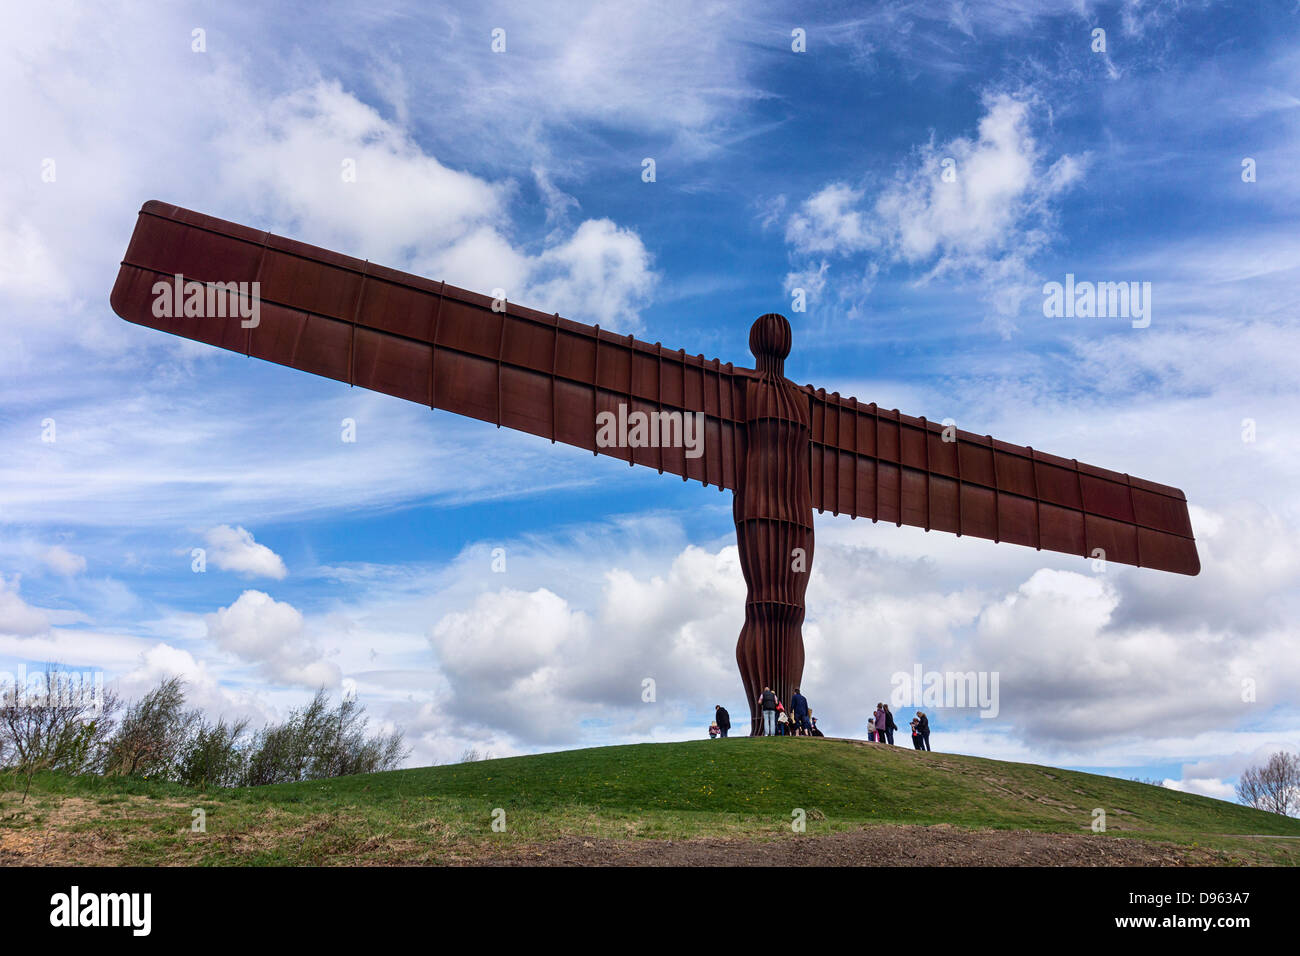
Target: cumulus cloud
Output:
{"points": [[233, 549], [260, 630], [321, 162], [537, 664], [602, 272], [502, 656], [331, 169]]}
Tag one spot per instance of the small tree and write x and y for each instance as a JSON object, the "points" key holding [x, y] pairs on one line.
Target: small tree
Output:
{"points": [[155, 732], [61, 725], [1274, 787]]}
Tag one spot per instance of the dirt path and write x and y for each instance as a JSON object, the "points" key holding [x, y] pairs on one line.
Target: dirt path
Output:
{"points": [[877, 846]]}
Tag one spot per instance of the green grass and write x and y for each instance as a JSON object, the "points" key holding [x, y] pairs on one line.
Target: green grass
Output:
{"points": [[740, 788]]}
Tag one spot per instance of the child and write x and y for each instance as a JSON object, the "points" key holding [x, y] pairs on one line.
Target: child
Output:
{"points": [[713, 730], [781, 721], [916, 734]]}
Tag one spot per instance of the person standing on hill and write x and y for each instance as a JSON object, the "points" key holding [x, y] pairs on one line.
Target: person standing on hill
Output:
{"points": [[723, 720], [767, 705], [799, 704], [923, 725], [890, 726], [879, 718]]}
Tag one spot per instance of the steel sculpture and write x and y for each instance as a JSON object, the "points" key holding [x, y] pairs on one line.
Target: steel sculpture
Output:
{"points": [[784, 450]]}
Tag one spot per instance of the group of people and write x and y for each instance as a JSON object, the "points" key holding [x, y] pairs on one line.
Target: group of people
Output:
{"points": [[881, 727], [777, 720], [798, 721]]}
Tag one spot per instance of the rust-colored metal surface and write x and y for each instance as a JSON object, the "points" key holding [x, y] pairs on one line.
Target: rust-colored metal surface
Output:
{"points": [[432, 343], [773, 511], [783, 449], [874, 463]]}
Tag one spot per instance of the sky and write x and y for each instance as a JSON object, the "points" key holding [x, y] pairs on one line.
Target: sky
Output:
{"points": [[901, 180]]}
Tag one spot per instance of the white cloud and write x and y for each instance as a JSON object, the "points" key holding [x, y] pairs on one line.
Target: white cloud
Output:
{"points": [[63, 561], [202, 688], [502, 656], [17, 617], [968, 209], [405, 208], [671, 71], [259, 629], [601, 273], [995, 205], [27, 265], [535, 664], [831, 221], [288, 158], [233, 549], [1205, 786]]}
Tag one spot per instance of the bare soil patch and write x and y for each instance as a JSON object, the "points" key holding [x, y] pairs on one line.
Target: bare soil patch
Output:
{"points": [[875, 846]]}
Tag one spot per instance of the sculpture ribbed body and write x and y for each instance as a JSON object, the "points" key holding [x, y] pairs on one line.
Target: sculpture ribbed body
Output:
{"points": [[774, 522]]}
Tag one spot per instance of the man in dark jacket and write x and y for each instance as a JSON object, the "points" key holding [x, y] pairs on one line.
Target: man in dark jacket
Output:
{"points": [[923, 725], [799, 704], [723, 720], [890, 726]]}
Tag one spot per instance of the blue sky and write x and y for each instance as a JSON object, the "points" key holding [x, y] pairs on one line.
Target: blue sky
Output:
{"points": [[774, 170]]}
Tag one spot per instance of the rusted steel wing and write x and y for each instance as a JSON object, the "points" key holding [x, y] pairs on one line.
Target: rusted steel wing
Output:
{"points": [[875, 463], [428, 342]]}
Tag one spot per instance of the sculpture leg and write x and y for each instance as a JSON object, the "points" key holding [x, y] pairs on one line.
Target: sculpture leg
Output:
{"points": [[776, 558], [770, 653]]}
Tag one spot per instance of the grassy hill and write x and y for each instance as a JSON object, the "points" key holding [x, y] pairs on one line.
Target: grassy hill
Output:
{"points": [[630, 798]]}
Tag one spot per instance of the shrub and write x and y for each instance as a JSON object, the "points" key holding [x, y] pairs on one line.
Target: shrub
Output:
{"points": [[59, 727], [317, 742], [215, 755], [154, 734]]}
